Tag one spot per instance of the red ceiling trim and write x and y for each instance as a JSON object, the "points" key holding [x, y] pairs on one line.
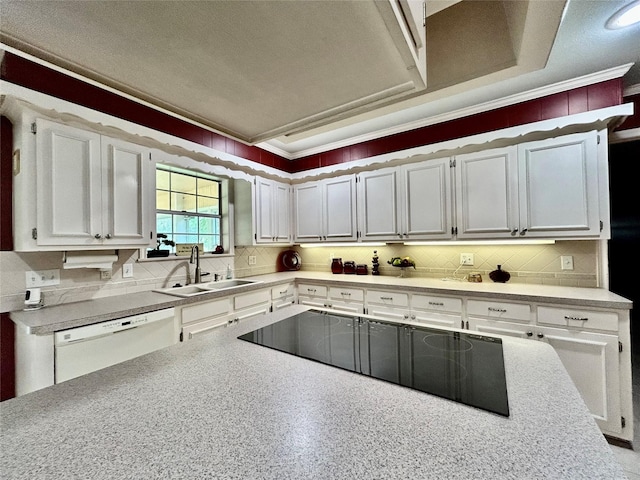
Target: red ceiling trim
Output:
{"points": [[578, 100], [18, 70], [23, 72]]}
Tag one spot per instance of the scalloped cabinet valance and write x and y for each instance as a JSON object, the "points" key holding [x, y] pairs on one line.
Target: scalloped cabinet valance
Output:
{"points": [[84, 180]]}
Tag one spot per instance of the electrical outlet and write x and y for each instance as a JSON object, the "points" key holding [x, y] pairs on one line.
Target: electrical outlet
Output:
{"points": [[566, 262], [127, 270], [105, 274], [42, 278], [466, 259], [252, 259]]}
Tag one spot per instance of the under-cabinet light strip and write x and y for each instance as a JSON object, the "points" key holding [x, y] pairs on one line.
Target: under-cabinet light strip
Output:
{"points": [[434, 243]]}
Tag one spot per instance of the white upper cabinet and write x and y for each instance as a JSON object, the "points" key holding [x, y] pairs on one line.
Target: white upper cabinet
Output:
{"points": [[487, 193], [412, 202], [548, 188], [326, 210], [272, 212], [558, 187], [91, 191]]}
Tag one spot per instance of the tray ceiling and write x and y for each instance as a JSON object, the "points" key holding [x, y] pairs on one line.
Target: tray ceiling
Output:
{"points": [[286, 71]]}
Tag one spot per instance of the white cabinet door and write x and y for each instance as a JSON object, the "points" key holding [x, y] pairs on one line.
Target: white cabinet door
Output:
{"points": [[426, 205], [326, 210], [92, 190], [558, 185], [592, 362], [272, 212], [591, 359], [128, 184], [339, 208], [265, 228], [412, 202], [69, 185], [282, 212], [379, 204], [308, 212], [487, 194]]}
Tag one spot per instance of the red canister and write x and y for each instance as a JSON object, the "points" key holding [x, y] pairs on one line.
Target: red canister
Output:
{"points": [[336, 265]]}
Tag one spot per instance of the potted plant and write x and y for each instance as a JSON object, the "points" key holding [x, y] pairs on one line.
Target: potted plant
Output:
{"points": [[161, 238]]}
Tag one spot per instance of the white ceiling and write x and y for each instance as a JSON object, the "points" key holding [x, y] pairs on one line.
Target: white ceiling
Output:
{"points": [[297, 77]]}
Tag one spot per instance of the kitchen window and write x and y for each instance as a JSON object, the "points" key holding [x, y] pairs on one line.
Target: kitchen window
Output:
{"points": [[188, 208]]}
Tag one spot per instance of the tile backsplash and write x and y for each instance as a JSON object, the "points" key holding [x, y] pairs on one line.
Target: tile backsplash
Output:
{"points": [[540, 264], [527, 264]]}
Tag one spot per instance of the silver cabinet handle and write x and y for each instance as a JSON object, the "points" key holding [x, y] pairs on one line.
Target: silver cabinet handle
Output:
{"points": [[513, 232], [107, 236], [581, 319], [345, 293], [437, 304], [540, 335], [499, 310], [462, 324], [386, 298], [413, 317], [529, 334], [406, 316], [97, 236], [523, 231], [312, 290]]}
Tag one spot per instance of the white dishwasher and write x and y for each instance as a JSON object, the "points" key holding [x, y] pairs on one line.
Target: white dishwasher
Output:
{"points": [[83, 350]]}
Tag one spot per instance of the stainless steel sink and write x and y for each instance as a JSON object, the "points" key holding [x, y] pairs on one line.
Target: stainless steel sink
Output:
{"points": [[202, 288]]}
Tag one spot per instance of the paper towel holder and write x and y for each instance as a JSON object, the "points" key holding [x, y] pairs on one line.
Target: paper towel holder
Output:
{"points": [[100, 260]]}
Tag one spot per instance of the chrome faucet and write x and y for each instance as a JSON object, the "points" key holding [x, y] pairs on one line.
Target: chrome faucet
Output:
{"points": [[196, 250]]}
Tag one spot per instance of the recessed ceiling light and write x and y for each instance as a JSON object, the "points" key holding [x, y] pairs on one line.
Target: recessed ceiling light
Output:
{"points": [[625, 17]]}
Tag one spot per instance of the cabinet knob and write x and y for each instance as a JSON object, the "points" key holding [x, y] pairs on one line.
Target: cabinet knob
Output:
{"points": [[540, 335], [406, 316], [413, 317], [514, 231], [107, 236], [97, 236], [529, 334], [523, 231]]}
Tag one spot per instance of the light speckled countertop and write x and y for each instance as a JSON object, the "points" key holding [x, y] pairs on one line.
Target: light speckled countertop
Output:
{"points": [[70, 315], [218, 407]]}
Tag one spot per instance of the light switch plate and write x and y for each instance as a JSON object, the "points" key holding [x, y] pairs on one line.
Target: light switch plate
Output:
{"points": [[566, 262], [127, 270], [252, 259]]}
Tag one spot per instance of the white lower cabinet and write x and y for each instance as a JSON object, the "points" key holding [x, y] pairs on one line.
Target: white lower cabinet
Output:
{"points": [[432, 310], [591, 358], [251, 304], [203, 317], [346, 299], [312, 295], [283, 296]]}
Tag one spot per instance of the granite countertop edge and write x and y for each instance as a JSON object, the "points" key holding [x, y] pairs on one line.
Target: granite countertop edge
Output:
{"points": [[87, 312]]}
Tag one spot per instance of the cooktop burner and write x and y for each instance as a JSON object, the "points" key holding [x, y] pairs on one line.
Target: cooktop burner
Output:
{"points": [[464, 367]]}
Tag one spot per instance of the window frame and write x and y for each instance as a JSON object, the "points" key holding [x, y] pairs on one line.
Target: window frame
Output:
{"points": [[221, 216]]}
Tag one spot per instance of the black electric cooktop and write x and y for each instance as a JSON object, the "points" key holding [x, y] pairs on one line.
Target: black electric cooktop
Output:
{"points": [[463, 367]]}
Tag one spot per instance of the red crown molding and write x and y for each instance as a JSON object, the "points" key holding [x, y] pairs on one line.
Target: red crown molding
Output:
{"points": [[24, 72], [32, 75]]}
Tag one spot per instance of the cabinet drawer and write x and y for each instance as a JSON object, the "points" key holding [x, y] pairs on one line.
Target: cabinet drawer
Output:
{"points": [[511, 311], [583, 319], [437, 304], [388, 298], [199, 328], [346, 294], [250, 299], [202, 311], [312, 290], [282, 291]]}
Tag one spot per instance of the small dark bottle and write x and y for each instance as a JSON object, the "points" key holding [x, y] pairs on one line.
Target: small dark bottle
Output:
{"points": [[336, 265], [499, 275]]}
